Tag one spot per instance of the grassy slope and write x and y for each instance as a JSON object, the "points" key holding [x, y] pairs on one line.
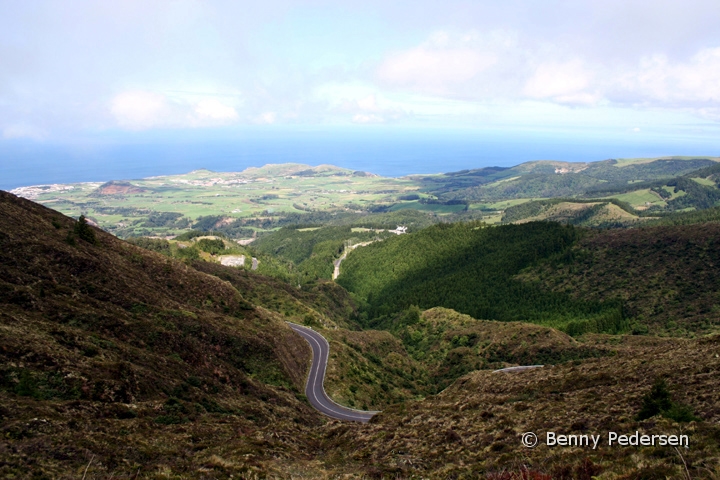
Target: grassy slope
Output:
{"points": [[587, 214], [449, 344], [322, 304], [371, 369], [123, 321], [473, 429], [117, 352]]}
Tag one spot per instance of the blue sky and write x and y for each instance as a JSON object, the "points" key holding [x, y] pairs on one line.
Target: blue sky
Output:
{"points": [[81, 72]]}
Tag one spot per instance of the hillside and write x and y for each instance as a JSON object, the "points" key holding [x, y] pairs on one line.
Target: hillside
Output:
{"points": [[473, 429], [111, 349], [589, 213], [667, 276], [313, 250], [120, 362], [547, 179], [469, 267]]}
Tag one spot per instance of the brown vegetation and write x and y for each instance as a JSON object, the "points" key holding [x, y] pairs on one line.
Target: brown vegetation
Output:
{"points": [[118, 362]]}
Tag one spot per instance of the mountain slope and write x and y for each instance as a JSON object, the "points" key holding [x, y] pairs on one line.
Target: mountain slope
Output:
{"points": [[469, 267], [474, 428], [667, 276], [113, 351]]}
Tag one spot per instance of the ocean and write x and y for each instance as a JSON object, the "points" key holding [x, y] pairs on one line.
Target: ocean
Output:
{"points": [[388, 152]]}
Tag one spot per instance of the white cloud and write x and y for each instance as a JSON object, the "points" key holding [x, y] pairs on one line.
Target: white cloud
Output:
{"points": [[694, 83], [266, 118], [434, 69], [212, 109], [442, 63], [367, 118], [502, 66], [368, 103], [139, 110], [568, 83]]}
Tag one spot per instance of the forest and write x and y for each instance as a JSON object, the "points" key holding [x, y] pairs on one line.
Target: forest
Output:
{"points": [[469, 267]]}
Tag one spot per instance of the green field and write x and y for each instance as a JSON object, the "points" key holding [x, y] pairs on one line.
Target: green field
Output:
{"points": [[624, 162], [255, 201], [704, 181], [640, 198]]}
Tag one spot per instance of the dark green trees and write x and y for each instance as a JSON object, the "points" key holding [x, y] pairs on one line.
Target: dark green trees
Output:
{"points": [[84, 231]]}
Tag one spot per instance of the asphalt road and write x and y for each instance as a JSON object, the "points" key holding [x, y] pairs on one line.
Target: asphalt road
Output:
{"points": [[314, 389]]}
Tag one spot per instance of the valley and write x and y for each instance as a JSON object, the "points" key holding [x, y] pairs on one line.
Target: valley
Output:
{"points": [[321, 240], [149, 358]]}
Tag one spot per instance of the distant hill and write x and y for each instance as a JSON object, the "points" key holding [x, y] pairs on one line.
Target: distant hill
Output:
{"points": [[118, 188], [261, 199], [546, 179]]}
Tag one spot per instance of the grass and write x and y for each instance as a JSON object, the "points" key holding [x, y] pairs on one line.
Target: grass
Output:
{"points": [[248, 194], [640, 198], [500, 205], [704, 181], [472, 429], [119, 363], [276, 191], [624, 162], [674, 192]]}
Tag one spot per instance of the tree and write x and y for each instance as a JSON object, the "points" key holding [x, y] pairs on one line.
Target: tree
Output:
{"points": [[658, 401], [84, 230]]}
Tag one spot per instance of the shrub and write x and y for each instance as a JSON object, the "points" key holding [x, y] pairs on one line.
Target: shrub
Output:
{"points": [[658, 402], [212, 247], [84, 231]]}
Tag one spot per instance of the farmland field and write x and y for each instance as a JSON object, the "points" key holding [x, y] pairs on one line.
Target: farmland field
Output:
{"points": [[244, 204]]}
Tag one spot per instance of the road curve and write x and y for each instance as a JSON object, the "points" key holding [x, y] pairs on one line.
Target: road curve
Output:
{"points": [[314, 389]]}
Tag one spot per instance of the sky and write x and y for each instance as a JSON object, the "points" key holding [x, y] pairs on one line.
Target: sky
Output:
{"points": [[84, 73]]}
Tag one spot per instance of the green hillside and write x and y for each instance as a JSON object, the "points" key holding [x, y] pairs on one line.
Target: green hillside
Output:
{"points": [[119, 362], [666, 276], [469, 267]]}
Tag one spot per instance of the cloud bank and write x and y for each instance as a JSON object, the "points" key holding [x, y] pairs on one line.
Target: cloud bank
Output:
{"points": [[83, 65]]}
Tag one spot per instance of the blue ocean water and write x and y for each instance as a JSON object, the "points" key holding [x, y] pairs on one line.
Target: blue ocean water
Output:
{"points": [[387, 152]]}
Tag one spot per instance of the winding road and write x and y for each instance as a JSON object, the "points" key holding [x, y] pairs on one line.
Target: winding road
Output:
{"points": [[314, 389]]}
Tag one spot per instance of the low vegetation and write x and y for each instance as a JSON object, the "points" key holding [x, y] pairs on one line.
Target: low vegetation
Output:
{"points": [[150, 359]]}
